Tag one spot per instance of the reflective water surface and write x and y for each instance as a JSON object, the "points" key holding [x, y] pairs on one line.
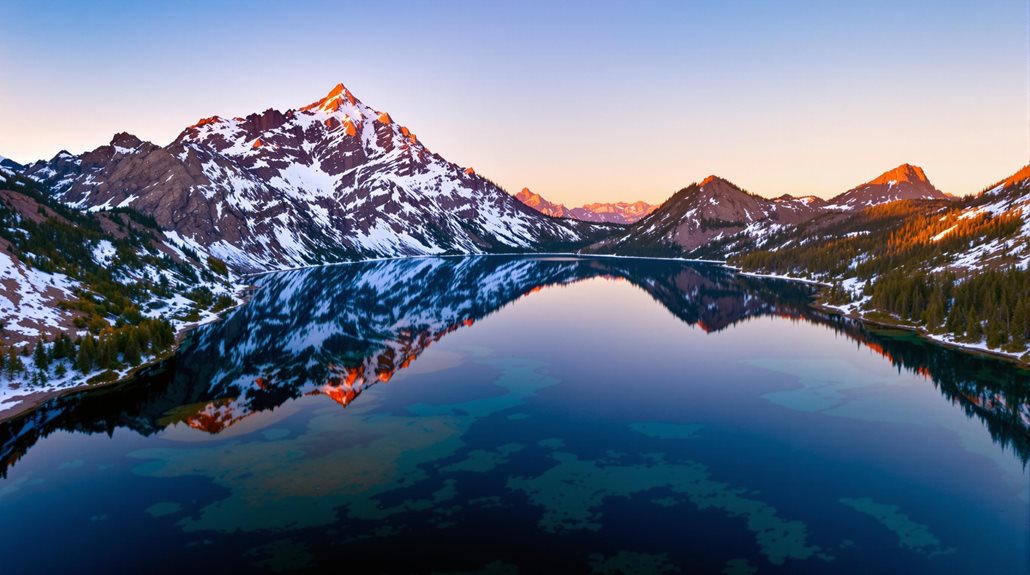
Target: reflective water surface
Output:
{"points": [[529, 415]]}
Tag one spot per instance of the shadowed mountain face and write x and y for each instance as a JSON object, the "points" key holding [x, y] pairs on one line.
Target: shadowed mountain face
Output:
{"points": [[334, 331]]}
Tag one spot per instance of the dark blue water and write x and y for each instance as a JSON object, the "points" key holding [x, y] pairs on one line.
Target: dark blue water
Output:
{"points": [[529, 415]]}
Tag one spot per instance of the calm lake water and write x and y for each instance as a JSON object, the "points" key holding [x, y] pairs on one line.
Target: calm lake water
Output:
{"points": [[529, 415]]}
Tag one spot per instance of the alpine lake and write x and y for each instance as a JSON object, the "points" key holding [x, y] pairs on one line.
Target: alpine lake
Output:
{"points": [[529, 414]]}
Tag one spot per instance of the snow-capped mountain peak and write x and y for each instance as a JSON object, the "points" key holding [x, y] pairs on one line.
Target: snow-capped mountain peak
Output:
{"points": [[335, 179]]}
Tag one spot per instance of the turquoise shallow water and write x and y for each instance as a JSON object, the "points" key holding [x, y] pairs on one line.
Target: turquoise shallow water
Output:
{"points": [[529, 415]]}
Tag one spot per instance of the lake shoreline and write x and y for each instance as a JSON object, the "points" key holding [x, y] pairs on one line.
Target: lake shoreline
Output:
{"points": [[24, 405], [920, 331]]}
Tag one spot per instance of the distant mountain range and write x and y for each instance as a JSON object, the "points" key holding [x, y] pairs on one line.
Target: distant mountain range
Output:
{"points": [[608, 212]]}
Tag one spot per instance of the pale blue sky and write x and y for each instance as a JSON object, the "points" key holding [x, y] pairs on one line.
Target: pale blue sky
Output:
{"points": [[579, 101]]}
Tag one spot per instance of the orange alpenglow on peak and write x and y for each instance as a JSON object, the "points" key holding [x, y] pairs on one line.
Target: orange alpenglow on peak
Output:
{"points": [[258, 143], [1019, 177], [903, 173], [349, 127], [719, 182], [339, 92], [336, 91], [528, 197], [384, 118], [470, 171], [206, 121]]}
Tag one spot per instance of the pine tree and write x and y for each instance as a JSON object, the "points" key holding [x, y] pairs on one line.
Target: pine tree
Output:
{"points": [[87, 354], [14, 363], [40, 358], [974, 331], [131, 355], [1019, 324]]}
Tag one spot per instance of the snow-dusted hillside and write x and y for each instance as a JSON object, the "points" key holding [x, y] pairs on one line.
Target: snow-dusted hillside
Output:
{"points": [[74, 276], [712, 212], [333, 180]]}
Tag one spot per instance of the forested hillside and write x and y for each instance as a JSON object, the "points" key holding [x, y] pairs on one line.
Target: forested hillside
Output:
{"points": [[959, 270], [88, 296]]}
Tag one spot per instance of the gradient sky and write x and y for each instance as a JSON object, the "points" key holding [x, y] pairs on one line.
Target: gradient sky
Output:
{"points": [[580, 101]]}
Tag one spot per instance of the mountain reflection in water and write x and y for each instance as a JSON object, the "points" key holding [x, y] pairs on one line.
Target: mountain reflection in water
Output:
{"points": [[334, 331]]}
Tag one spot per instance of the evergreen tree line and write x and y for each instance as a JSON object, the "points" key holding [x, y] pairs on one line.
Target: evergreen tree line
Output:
{"points": [[991, 305], [114, 348]]}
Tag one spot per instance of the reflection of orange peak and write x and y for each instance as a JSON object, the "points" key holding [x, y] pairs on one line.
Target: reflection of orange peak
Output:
{"points": [[215, 417]]}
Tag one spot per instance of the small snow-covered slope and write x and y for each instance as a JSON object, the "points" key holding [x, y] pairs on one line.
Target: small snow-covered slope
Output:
{"points": [[1008, 199], [29, 298], [330, 181]]}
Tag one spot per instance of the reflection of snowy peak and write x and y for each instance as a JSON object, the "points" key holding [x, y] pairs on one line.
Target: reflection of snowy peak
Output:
{"points": [[332, 180], [336, 330]]}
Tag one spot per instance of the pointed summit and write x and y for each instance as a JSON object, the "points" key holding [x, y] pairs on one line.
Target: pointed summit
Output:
{"points": [[905, 182], [125, 140], [711, 179], [538, 203], [717, 185], [332, 101], [903, 173]]}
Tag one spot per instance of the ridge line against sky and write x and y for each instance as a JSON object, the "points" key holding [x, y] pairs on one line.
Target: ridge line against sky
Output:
{"points": [[581, 102]]}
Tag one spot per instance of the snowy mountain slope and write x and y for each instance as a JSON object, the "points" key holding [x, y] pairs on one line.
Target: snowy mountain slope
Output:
{"points": [[957, 269], [706, 213], [9, 164], [330, 181]]}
